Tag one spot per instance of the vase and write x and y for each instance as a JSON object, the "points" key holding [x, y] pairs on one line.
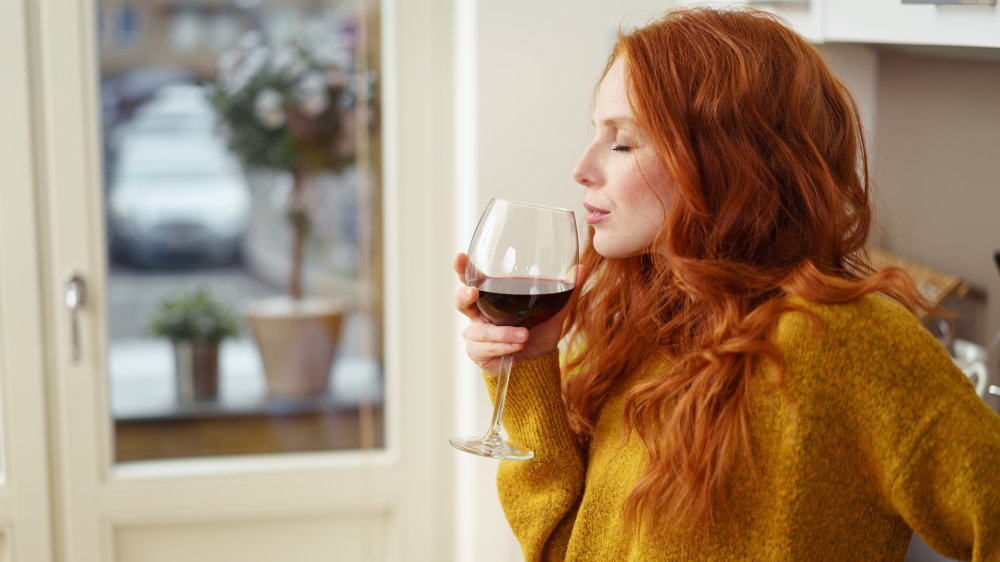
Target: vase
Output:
{"points": [[297, 340], [197, 366]]}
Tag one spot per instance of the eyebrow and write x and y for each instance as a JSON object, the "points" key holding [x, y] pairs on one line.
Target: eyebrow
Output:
{"points": [[616, 121]]}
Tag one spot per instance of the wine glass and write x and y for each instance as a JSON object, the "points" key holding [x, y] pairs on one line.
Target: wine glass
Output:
{"points": [[523, 259]]}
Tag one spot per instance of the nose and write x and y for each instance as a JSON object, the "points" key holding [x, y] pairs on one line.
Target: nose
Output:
{"points": [[585, 171]]}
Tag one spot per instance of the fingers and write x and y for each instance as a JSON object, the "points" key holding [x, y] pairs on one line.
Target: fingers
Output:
{"points": [[465, 302], [480, 330], [489, 333], [484, 342], [483, 353], [461, 261]]}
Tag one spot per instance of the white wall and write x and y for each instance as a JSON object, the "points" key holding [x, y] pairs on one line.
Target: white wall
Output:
{"points": [[534, 71], [538, 65]]}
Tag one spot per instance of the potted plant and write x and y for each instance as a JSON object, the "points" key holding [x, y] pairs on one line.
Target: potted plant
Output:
{"points": [[196, 324], [288, 106]]}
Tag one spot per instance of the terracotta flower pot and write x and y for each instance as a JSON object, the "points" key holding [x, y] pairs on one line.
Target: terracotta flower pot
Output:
{"points": [[297, 341]]}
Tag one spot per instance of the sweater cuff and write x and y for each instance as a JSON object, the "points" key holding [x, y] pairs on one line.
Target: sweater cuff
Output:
{"points": [[534, 413]]}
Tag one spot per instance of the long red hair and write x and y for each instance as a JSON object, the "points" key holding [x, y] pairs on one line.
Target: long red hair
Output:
{"points": [[770, 197]]}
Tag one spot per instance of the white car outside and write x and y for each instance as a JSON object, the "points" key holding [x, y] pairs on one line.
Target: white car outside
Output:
{"points": [[176, 197]]}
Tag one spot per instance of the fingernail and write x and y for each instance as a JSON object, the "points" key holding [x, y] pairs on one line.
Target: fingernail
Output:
{"points": [[468, 292], [521, 334]]}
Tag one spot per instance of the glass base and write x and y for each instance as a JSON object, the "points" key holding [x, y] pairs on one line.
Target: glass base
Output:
{"points": [[491, 448]]}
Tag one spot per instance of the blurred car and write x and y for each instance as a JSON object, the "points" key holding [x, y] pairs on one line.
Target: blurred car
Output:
{"points": [[176, 199], [173, 109], [133, 88], [123, 94]]}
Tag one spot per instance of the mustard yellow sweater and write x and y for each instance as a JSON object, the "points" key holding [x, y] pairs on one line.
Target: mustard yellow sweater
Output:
{"points": [[882, 436]]}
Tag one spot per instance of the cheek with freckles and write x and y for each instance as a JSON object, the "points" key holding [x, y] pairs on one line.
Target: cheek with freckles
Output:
{"points": [[640, 203], [630, 229]]}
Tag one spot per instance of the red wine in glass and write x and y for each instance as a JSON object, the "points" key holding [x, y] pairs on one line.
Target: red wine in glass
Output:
{"points": [[523, 258], [524, 302]]}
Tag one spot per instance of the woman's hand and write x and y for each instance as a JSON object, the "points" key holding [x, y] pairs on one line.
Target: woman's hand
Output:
{"points": [[486, 342]]}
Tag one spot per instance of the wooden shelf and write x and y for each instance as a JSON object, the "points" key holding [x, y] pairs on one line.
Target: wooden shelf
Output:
{"points": [[151, 422], [154, 439]]}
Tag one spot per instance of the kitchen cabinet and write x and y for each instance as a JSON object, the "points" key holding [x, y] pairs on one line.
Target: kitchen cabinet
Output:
{"points": [[883, 21], [892, 22]]}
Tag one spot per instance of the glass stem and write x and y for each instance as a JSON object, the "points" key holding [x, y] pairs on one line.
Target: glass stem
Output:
{"points": [[493, 435]]}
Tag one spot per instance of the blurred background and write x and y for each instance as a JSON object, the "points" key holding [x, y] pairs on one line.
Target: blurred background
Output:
{"points": [[206, 111], [226, 252]]}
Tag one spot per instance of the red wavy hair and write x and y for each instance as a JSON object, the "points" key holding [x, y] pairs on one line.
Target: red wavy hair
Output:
{"points": [[770, 198]]}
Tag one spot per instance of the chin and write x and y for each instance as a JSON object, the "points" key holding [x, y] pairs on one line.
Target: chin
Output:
{"points": [[614, 250]]}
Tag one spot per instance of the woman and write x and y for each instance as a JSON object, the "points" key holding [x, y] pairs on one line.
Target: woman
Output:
{"points": [[740, 385]]}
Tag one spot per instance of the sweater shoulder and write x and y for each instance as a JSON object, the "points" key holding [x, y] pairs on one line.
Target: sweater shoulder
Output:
{"points": [[870, 345], [870, 320]]}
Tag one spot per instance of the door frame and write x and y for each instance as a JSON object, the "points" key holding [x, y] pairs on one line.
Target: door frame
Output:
{"points": [[408, 484], [25, 510]]}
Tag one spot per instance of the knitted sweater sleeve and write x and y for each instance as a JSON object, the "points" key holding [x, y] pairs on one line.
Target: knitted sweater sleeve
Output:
{"points": [[929, 444], [949, 488], [938, 443], [946, 484], [539, 496]]}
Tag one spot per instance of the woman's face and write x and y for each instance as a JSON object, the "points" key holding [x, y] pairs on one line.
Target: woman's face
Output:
{"points": [[628, 187]]}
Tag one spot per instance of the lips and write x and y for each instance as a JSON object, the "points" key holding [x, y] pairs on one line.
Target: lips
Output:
{"points": [[595, 214]]}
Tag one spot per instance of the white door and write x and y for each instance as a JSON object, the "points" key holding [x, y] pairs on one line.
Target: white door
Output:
{"points": [[25, 533], [387, 500]]}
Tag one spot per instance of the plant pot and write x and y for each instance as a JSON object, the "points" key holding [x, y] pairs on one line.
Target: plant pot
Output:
{"points": [[297, 341], [197, 365]]}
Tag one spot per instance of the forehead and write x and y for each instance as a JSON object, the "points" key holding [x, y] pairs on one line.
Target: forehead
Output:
{"points": [[612, 98]]}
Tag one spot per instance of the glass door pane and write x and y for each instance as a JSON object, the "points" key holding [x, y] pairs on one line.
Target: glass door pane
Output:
{"points": [[242, 209]]}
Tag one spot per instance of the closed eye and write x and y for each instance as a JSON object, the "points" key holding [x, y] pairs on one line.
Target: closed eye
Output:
{"points": [[621, 148]]}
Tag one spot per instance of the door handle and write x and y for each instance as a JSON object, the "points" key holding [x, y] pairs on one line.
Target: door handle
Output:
{"points": [[75, 298]]}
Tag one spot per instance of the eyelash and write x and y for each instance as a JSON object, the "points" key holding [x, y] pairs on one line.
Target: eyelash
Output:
{"points": [[621, 148]]}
